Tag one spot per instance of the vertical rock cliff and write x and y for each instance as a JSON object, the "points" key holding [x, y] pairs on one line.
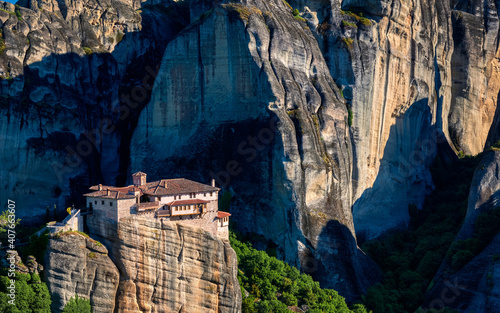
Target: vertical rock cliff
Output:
{"points": [[245, 96], [66, 101], [474, 287], [416, 74], [170, 267], [76, 265]]}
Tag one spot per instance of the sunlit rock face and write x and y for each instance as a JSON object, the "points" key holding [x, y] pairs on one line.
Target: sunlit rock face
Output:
{"points": [[169, 267], [67, 106], [416, 74], [245, 96], [75, 265]]}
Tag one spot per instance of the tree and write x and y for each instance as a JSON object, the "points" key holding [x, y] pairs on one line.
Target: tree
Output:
{"points": [[32, 295], [77, 305]]}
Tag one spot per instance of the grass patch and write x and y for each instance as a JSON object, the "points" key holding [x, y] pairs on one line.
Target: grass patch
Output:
{"points": [[349, 116], [348, 42], [2, 42], [243, 12], [18, 14], [10, 12], [71, 232], [92, 255], [87, 50], [348, 24], [358, 16]]}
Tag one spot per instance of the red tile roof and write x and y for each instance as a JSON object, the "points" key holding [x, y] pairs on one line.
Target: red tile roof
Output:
{"points": [[168, 187], [113, 194], [164, 187], [221, 214], [185, 202]]}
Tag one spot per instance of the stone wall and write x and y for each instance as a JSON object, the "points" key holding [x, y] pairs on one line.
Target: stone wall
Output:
{"points": [[223, 232], [73, 221], [208, 221]]}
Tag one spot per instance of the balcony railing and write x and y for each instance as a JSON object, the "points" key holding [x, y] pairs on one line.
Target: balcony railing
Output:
{"points": [[147, 206], [163, 213]]}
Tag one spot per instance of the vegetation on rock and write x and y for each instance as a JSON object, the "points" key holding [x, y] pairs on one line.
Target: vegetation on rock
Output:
{"points": [[32, 295], [274, 286], [410, 258], [78, 305]]}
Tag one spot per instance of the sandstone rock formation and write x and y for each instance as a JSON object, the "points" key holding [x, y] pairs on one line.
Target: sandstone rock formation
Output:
{"points": [[249, 94], [170, 267], [416, 74], [75, 265], [244, 96], [66, 68]]}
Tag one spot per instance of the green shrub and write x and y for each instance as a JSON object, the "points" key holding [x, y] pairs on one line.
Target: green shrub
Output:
{"points": [[87, 50], [266, 277], [410, 258], [349, 116], [358, 16], [242, 11], [348, 42], [348, 24], [37, 247], [18, 14], [32, 295], [296, 12], [2, 42], [77, 305]]}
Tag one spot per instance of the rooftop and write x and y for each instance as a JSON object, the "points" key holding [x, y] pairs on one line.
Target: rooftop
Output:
{"points": [[221, 214], [109, 193], [168, 187], [186, 202], [164, 187]]}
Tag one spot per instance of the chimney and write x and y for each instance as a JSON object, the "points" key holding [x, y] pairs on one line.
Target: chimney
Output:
{"points": [[213, 182], [108, 192], [164, 183], [99, 187]]}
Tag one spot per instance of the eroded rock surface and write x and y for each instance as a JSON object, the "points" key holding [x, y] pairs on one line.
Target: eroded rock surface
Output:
{"points": [[475, 287], [75, 265], [170, 267]]}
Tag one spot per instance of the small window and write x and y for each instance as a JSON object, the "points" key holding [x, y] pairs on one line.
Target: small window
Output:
{"points": [[95, 201], [211, 194], [102, 202], [175, 197], [204, 194], [180, 197], [110, 203]]}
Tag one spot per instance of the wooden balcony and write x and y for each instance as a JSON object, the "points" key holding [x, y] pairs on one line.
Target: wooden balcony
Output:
{"points": [[163, 213], [146, 206]]}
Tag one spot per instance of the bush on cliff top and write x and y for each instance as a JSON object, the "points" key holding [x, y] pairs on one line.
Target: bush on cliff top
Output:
{"points": [[273, 285]]}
